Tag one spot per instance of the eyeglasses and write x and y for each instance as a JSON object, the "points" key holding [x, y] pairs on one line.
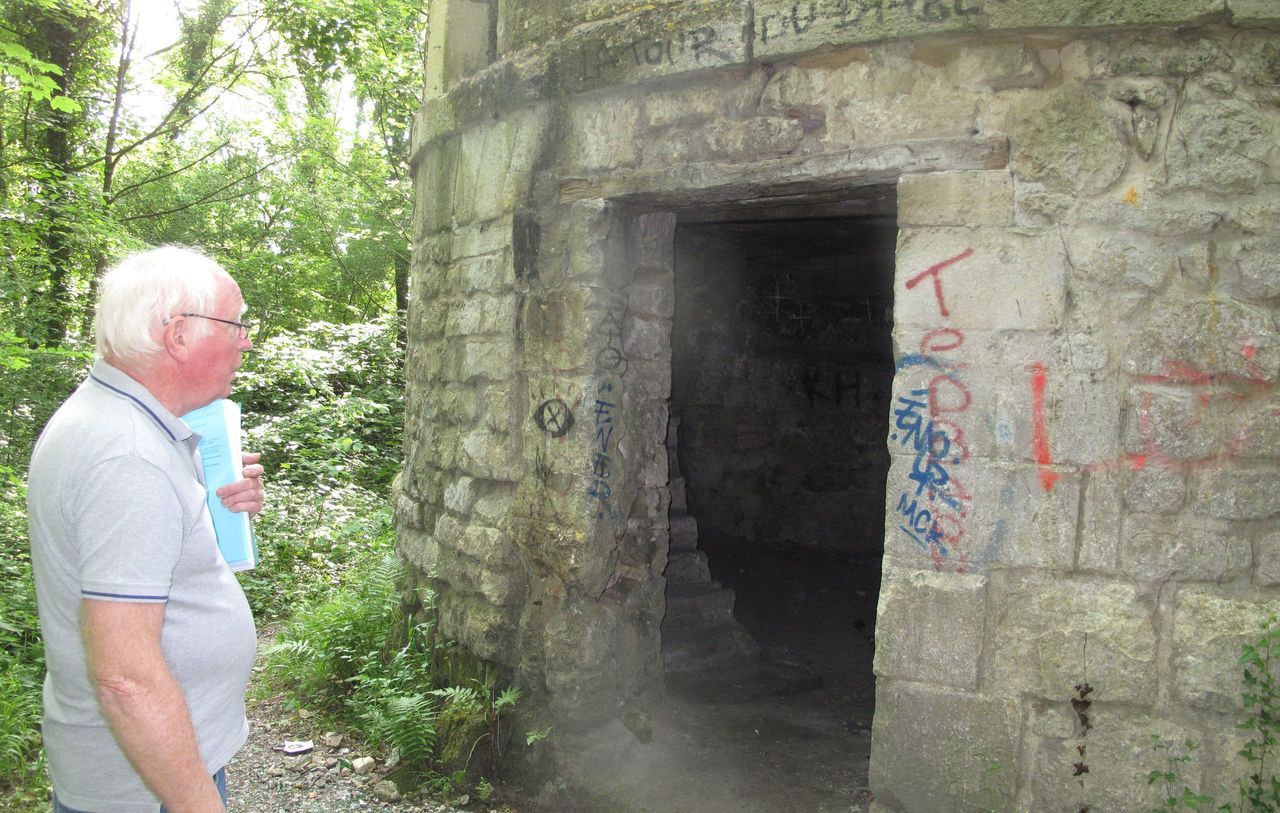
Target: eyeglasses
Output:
{"points": [[245, 327]]}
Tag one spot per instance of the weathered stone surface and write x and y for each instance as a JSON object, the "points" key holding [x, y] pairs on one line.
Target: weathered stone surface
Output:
{"points": [[1100, 523], [488, 454], [461, 494], [483, 316], [957, 735], [956, 199], [1257, 267], [1155, 489], [993, 279], [1158, 548], [1052, 634], [1237, 491], [1069, 139], [1004, 519], [1224, 142], [929, 627], [1268, 559], [786, 27], [1118, 753], [1187, 343], [1208, 631], [604, 135]]}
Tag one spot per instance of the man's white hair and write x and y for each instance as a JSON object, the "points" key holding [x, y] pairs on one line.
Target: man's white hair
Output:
{"points": [[143, 290]]}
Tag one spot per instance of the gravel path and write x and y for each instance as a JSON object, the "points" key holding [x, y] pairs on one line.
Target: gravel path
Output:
{"points": [[263, 779]]}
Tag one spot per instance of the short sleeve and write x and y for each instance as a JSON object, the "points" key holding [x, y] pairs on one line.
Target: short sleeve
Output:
{"points": [[128, 526]]}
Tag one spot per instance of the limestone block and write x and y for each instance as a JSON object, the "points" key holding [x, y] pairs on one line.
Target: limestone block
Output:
{"points": [[783, 27], [488, 454], [1082, 418], [956, 199], [485, 630], [651, 249], [604, 133], [1208, 631], [987, 279], [489, 358], [1068, 139], [1225, 142], [458, 404], [1051, 634], [1256, 265], [461, 494], [481, 239], [651, 41], [987, 515], [580, 646], [754, 138], [1268, 557], [1056, 13], [1111, 258], [496, 162], [1158, 548], [491, 273], [1155, 211], [896, 97], [433, 184], [1100, 523], [932, 749], [1253, 11], [929, 627], [1260, 213], [1156, 489], [483, 315], [685, 105], [1158, 53], [493, 506], [1175, 427], [417, 548], [1192, 344], [647, 339], [1237, 490], [1119, 753]]}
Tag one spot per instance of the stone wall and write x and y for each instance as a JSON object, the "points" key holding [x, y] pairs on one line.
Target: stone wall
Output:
{"points": [[1084, 426]]}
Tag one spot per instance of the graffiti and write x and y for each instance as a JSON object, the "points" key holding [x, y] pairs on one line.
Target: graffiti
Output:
{"points": [[852, 13], [933, 271], [830, 387], [1039, 432], [1211, 392], [554, 417], [928, 425], [594, 59], [611, 364]]}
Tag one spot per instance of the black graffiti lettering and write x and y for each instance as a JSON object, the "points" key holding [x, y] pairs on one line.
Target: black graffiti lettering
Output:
{"points": [[853, 11], [653, 53], [763, 22], [554, 417], [909, 5], [962, 10], [795, 17], [934, 11], [702, 38]]}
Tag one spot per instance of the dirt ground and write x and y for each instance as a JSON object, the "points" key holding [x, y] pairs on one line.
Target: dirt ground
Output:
{"points": [[789, 732]]}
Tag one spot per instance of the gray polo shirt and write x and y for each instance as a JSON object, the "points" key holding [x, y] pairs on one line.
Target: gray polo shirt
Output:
{"points": [[117, 513]]}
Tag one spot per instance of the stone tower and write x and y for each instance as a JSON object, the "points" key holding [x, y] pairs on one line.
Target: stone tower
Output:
{"points": [[1080, 417]]}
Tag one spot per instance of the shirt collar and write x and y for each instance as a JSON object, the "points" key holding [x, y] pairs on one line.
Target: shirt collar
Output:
{"points": [[124, 385]]}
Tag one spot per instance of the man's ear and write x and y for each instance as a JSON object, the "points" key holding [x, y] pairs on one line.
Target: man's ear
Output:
{"points": [[177, 339]]}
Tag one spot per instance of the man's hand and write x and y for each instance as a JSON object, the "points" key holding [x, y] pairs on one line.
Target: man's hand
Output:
{"points": [[245, 495]]}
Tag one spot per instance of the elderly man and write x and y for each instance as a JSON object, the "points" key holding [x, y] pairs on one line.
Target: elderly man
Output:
{"points": [[148, 638]]}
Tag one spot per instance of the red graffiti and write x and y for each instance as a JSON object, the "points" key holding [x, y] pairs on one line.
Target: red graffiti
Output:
{"points": [[1040, 434], [933, 271], [1206, 386]]}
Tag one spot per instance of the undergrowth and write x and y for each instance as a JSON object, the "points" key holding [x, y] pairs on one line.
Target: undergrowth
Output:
{"points": [[335, 659]]}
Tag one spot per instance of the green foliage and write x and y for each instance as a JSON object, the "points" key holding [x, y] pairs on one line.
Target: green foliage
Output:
{"points": [[1260, 659], [22, 664], [1177, 795]]}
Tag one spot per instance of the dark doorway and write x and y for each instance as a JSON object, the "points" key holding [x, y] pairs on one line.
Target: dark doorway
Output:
{"points": [[782, 364]]}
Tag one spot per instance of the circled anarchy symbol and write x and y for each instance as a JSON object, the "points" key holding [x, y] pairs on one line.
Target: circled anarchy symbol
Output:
{"points": [[554, 417]]}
